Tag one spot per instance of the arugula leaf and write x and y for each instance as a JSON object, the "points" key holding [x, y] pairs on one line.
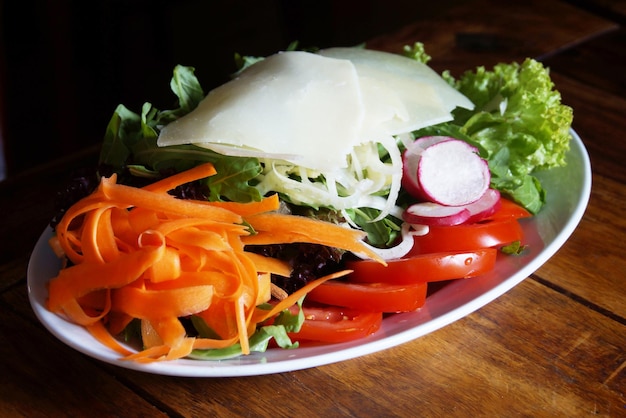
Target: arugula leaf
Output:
{"points": [[120, 131], [382, 233], [283, 324], [186, 87], [130, 143], [233, 179]]}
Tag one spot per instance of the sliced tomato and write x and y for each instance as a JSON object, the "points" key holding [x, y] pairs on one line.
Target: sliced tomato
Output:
{"points": [[371, 297], [509, 210], [422, 268], [488, 234], [334, 324]]}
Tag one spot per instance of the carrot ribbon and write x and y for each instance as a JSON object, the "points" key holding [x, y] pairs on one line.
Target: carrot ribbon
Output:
{"points": [[142, 253]]}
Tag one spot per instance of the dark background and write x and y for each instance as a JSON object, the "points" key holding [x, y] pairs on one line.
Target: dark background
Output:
{"points": [[65, 65]]}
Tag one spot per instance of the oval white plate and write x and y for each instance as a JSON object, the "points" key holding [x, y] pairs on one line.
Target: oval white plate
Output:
{"points": [[568, 189]]}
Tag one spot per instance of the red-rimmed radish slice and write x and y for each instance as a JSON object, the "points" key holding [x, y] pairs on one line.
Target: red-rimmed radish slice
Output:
{"points": [[434, 214], [449, 172], [486, 206], [426, 141], [410, 159]]}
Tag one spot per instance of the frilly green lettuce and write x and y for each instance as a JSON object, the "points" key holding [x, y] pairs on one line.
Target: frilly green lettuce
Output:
{"points": [[519, 124]]}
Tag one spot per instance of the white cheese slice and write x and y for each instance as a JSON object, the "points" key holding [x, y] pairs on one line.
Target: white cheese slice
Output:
{"points": [[404, 71], [297, 106], [311, 110], [395, 106]]}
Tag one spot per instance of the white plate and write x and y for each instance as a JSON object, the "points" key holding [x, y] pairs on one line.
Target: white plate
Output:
{"points": [[568, 189]]}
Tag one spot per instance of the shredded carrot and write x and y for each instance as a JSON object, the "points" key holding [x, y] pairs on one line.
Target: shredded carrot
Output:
{"points": [[142, 253], [276, 227], [170, 183], [99, 331]]}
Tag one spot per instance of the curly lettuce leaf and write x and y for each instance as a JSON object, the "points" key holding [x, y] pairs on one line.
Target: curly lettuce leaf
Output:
{"points": [[417, 51], [519, 125]]}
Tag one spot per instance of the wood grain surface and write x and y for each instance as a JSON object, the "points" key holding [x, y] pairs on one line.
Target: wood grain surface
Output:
{"points": [[553, 346]]}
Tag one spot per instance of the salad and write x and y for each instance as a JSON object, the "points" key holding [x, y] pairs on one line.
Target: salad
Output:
{"points": [[303, 200]]}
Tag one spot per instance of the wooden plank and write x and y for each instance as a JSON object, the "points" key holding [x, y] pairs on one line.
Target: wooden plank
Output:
{"points": [[27, 204], [599, 63], [41, 377], [591, 264], [482, 365], [599, 120], [478, 33], [612, 9]]}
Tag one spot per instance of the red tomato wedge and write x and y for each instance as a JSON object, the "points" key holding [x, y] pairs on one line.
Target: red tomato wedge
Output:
{"points": [[468, 237], [422, 268], [509, 210], [334, 324], [371, 297]]}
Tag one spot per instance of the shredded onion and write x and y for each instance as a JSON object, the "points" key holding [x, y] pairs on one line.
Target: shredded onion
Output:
{"points": [[407, 233]]}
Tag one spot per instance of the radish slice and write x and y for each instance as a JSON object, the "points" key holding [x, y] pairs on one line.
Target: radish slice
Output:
{"points": [[486, 206], [434, 214], [449, 172], [410, 159], [426, 141]]}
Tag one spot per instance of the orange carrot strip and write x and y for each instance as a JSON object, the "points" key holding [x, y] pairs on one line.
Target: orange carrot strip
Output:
{"points": [[163, 352], [125, 236], [224, 285], [169, 183], [165, 268], [265, 288], [207, 240], [78, 315], [146, 304], [148, 355], [101, 334], [275, 228], [262, 315], [242, 325], [140, 219], [68, 240], [159, 258], [170, 330], [107, 244], [209, 343], [116, 322], [267, 204], [181, 350], [170, 225], [78, 280], [269, 264], [220, 317], [149, 336], [97, 240], [133, 197]]}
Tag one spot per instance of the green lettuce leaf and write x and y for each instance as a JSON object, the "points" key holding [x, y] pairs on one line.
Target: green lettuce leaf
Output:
{"points": [[519, 125]]}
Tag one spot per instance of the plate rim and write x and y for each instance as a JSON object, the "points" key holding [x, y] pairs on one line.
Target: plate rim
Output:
{"points": [[256, 364]]}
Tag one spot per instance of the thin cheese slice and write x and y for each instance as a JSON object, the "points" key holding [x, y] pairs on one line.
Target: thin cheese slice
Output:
{"points": [[369, 62], [427, 98], [297, 106], [311, 110], [394, 106]]}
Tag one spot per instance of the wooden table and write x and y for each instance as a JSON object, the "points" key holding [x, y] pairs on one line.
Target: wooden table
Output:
{"points": [[555, 345]]}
